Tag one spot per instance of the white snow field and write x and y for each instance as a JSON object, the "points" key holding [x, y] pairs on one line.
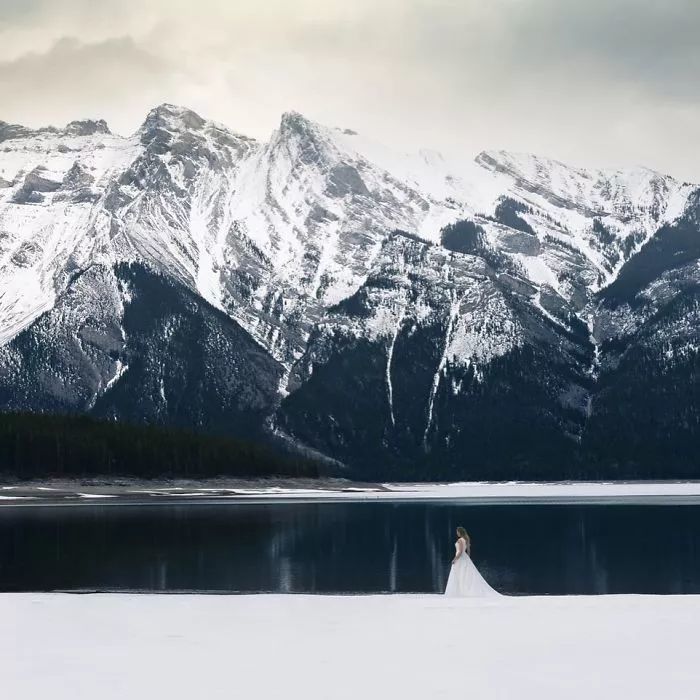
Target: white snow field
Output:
{"points": [[403, 647]]}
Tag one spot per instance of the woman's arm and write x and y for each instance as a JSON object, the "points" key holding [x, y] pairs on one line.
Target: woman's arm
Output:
{"points": [[460, 550]]}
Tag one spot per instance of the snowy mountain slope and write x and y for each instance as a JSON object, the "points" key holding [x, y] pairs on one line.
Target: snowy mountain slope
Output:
{"points": [[304, 214], [648, 322], [49, 211], [374, 305], [413, 347], [125, 343]]}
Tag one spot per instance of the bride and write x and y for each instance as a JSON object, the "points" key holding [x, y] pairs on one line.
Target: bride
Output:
{"points": [[465, 581]]}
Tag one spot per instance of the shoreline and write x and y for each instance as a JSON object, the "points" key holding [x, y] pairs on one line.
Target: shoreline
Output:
{"points": [[125, 492]]}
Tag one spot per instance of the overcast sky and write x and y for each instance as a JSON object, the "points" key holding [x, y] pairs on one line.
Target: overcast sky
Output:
{"points": [[591, 82]]}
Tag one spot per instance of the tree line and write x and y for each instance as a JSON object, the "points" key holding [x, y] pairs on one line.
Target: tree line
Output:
{"points": [[41, 445]]}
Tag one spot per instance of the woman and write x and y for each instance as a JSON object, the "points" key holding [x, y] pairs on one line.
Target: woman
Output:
{"points": [[465, 581]]}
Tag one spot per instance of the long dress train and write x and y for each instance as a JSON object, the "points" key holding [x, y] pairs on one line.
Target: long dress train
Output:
{"points": [[465, 581]]}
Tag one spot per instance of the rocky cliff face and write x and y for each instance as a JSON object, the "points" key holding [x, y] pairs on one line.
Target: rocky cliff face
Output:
{"points": [[406, 315]]}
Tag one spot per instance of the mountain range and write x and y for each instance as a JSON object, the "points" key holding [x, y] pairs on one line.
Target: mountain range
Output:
{"points": [[403, 315]]}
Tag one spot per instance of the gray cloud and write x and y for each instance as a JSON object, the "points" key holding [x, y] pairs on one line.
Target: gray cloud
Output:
{"points": [[650, 45], [88, 78], [595, 82], [16, 10]]}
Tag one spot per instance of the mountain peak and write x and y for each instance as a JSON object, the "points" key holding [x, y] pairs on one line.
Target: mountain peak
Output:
{"points": [[86, 127], [312, 142], [78, 127], [173, 117], [296, 123], [9, 131]]}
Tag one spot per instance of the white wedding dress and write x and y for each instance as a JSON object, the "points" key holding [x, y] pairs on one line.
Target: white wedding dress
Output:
{"points": [[465, 581]]}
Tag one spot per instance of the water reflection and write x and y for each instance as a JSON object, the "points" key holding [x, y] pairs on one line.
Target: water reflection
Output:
{"points": [[350, 547]]}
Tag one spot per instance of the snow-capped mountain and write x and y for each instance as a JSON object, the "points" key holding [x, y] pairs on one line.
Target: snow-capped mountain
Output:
{"points": [[388, 310]]}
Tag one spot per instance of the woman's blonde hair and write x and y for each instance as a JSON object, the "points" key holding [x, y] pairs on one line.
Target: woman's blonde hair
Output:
{"points": [[463, 534]]}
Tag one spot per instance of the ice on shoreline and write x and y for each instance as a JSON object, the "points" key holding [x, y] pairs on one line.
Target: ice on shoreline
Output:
{"points": [[238, 490]]}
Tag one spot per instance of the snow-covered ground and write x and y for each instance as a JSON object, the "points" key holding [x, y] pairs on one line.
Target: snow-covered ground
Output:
{"points": [[56, 647], [517, 490], [70, 492]]}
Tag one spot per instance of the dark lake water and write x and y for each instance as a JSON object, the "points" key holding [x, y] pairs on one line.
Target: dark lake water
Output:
{"points": [[350, 547]]}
